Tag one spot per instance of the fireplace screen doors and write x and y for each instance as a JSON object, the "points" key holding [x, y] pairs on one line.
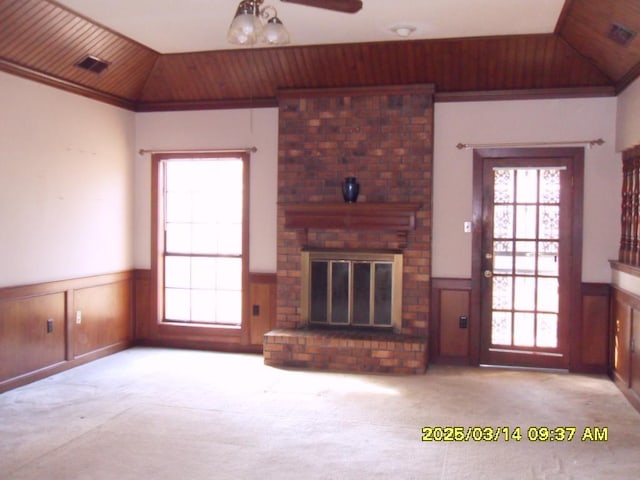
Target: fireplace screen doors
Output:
{"points": [[352, 289]]}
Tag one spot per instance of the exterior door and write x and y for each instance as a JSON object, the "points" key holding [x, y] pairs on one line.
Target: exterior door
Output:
{"points": [[528, 257]]}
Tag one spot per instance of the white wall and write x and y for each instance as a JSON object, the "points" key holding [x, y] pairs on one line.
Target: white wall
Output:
{"points": [[66, 182], [216, 129], [628, 119], [481, 122], [524, 121], [69, 175]]}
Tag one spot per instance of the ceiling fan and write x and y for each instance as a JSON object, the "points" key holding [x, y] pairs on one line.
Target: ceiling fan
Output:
{"points": [[345, 6]]}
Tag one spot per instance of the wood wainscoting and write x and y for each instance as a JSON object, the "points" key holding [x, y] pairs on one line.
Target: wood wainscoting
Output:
{"points": [[449, 339], [42, 333], [625, 331], [591, 341], [261, 318], [454, 336]]}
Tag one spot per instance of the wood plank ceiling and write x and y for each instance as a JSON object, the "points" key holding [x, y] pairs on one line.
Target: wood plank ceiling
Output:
{"points": [[42, 40]]}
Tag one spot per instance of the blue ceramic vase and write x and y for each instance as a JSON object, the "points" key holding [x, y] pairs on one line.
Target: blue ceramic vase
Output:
{"points": [[350, 189]]}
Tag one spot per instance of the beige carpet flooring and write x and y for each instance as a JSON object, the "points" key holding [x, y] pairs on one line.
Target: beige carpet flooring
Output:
{"points": [[189, 415]]}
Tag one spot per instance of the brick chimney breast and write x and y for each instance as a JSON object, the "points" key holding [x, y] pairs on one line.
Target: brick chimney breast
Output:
{"points": [[384, 137]]}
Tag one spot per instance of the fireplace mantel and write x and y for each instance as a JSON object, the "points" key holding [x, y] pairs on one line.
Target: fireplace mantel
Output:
{"points": [[384, 217]]}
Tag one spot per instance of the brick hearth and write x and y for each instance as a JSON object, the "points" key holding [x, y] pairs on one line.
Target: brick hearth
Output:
{"points": [[345, 351], [384, 137]]}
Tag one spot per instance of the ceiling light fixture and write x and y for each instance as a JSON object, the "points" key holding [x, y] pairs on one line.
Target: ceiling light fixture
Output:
{"points": [[247, 25], [403, 30]]}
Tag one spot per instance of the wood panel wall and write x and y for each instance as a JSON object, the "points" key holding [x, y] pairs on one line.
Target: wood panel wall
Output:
{"points": [[39, 333], [625, 336], [590, 347], [262, 299], [451, 342], [449, 339]]}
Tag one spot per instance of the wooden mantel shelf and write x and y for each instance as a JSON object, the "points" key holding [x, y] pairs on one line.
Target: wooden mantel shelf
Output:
{"points": [[384, 217]]}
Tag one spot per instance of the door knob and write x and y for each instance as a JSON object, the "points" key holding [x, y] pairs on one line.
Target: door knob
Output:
{"points": [[488, 274]]}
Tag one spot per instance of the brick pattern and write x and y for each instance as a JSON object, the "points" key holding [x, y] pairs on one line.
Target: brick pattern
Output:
{"points": [[345, 352], [384, 137]]}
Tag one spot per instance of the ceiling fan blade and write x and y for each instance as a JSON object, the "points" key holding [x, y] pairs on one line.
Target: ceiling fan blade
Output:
{"points": [[345, 6]]}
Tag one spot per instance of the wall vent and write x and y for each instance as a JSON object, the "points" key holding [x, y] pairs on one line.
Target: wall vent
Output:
{"points": [[621, 34], [92, 63]]}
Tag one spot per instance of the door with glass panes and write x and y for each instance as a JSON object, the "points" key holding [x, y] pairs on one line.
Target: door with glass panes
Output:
{"points": [[527, 259]]}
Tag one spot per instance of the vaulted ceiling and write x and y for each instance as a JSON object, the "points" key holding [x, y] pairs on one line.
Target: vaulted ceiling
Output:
{"points": [[43, 40]]}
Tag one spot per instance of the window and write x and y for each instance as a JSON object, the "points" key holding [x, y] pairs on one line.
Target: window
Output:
{"points": [[201, 238]]}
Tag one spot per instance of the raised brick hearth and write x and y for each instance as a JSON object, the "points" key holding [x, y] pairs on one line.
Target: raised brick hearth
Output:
{"points": [[345, 351], [384, 137]]}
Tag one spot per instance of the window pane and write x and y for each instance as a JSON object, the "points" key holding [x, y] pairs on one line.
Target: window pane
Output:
{"points": [[177, 272], [550, 222], [523, 332], [178, 207], [205, 208], [527, 186], [525, 293], [526, 221], [503, 186], [177, 304], [205, 238], [229, 274], [502, 293], [178, 176], [229, 307], [525, 258], [203, 272], [501, 328], [203, 305], [503, 257], [547, 331], [229, 239], [178, 238], [548, 294], [550, 186], [548, 258], [503, 221]]}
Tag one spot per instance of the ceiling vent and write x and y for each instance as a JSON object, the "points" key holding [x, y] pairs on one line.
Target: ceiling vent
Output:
{"points": [[93, 64], [621, 34]]}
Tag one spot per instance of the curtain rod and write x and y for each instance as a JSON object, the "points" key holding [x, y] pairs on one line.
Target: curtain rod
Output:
{"points": [[142, 151], [587, 143]]}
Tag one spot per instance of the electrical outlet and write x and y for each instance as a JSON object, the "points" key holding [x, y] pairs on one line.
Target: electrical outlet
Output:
{"points": [[78, 317], [467, 227]]}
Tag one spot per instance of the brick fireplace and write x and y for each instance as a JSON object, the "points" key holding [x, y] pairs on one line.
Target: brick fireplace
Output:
{"points": [[384, 137]]}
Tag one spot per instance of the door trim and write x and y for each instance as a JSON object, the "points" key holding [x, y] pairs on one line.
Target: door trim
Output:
{"points": [[576, 158]]}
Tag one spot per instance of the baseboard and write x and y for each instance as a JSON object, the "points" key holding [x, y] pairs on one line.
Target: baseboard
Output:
{"points": [[54, 369]]}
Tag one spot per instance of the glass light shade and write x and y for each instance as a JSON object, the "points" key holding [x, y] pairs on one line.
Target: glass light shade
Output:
{"points": [[274, 32], [245, 29]]}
